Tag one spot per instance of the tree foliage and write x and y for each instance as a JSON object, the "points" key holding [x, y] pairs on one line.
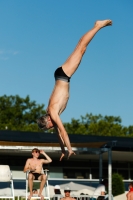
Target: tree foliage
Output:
{"points": [[18, 113], [98, 125], [117, 184]]}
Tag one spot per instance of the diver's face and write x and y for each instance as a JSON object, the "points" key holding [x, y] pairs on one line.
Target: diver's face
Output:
{"points": [[49, 124]]}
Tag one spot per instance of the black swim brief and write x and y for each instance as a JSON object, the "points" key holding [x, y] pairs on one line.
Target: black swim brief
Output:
{"points": [[36, 175], [60, 75]]}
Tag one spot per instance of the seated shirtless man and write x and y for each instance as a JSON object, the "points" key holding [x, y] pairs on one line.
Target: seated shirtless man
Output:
{"points": [[60, 95], [35, 165]]}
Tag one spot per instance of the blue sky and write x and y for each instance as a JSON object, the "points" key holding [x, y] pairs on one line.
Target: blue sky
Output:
{"points": [[37, 36]]}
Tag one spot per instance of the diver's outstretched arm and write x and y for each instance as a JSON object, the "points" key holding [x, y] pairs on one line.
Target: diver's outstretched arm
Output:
{"points": [[63, 136]]}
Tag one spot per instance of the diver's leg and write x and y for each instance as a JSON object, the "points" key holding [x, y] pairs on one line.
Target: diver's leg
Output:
{"points": [[72, 63]]}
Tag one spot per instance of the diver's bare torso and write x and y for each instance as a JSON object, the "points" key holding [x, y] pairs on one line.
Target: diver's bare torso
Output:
{"points": [[59, 96]]}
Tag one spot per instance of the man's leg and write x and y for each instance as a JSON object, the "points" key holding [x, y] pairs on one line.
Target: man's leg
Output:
{"points": [[30, 183], [43, 181], [72, 63]]}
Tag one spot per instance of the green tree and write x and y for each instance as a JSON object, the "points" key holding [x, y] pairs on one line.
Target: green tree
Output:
{"points": [[97, 125], [18, 113], [117, 184], [130, 131]]}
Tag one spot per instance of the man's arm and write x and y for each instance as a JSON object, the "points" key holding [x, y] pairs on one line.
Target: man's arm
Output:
{"points": [[56, 118], [47, 160], [61, 141], [129, 196], [27, 166]]}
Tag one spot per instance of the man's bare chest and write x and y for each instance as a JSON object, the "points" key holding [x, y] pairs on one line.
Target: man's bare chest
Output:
{"points": [[35, 162]]}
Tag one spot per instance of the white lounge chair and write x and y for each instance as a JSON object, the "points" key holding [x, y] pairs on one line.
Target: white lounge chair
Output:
{"points": [[6, 177]]}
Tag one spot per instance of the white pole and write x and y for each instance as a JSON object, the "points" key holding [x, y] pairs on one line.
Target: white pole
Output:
{"points": [[110, 173]]}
